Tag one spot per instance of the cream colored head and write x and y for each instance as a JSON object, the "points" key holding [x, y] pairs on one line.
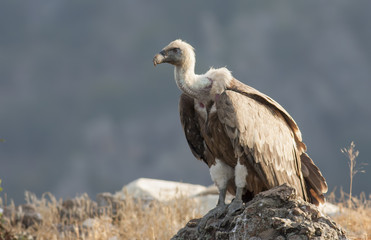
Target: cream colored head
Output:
{"points": [[177, 53], [204, 87]]}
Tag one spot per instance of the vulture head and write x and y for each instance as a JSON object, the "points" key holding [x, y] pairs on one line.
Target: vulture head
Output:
{"points": [[177, 53], [204, 87]]}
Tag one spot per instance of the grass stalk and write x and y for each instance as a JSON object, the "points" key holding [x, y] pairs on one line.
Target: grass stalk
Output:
{"points": [[351, 153]]}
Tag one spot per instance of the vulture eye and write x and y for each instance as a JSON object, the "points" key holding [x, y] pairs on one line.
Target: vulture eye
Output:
{"points": [[175, 50]]}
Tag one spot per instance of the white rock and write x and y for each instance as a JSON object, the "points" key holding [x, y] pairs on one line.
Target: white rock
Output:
{"points": [[89, 223], [94, 222], [208, 199], [160, 190], [329, 209], [205, 203]]}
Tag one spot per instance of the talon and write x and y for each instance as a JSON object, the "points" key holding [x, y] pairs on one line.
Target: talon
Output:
{"points": [[235, 206], [215, 213]]}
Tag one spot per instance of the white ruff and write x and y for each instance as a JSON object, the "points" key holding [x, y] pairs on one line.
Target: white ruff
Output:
{"points": [[221, 173], [240, 172], [221, 78]]}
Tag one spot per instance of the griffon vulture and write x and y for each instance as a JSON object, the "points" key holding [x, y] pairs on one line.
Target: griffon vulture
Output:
{"points": [[247, 139]]}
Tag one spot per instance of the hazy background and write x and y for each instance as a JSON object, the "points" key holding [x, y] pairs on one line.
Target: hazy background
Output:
{"points": [[82, 109]]}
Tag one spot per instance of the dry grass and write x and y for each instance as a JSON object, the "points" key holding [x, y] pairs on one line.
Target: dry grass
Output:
{"points": [[355, 212], [351, 153], [133, 220], [356, 220], [137, 220]]}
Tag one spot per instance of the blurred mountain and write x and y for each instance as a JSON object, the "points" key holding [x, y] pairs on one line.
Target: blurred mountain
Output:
{"points": [[82, 109]]}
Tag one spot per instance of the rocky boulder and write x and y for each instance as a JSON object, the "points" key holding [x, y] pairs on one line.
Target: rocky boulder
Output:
{"points": [[274, 214], [148, 190], [160, 190], [26, 214]]}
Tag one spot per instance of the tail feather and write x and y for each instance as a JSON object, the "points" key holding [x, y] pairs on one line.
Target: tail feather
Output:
{"points": [[316, 183]]}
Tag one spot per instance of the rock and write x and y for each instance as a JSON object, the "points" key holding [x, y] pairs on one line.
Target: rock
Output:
{"points": [[78, 208], [203, 204], [25, 214], [274, 214], [207, 199], [160, 190], [329, 209], [65, 229], [107, 203], [29, 215], [104, 199], [148, 190], [89, 223]]}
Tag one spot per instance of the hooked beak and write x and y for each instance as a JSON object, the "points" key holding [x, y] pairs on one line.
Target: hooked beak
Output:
{"points": [[159, 58]]}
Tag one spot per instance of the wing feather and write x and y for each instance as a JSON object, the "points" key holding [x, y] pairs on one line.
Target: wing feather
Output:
{"points": [[263, 133], [190, 123], [261, 97]]}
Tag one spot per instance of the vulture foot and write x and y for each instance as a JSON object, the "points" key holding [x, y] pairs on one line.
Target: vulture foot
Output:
{"points": [[214, 213], [235, 206]]}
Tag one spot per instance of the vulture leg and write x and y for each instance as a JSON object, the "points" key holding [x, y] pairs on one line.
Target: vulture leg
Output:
{"points": [[220, 173], [216, 212], [222, 194], [237, 202], [240, 172]]}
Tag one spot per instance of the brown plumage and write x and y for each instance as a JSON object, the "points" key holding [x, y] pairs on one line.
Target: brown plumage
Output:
{"points": [[248, 140]]}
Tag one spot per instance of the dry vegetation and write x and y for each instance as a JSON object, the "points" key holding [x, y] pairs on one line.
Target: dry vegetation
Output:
{"points": [[356, 220], [154, 221], [355, 212], [135, 219]]}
